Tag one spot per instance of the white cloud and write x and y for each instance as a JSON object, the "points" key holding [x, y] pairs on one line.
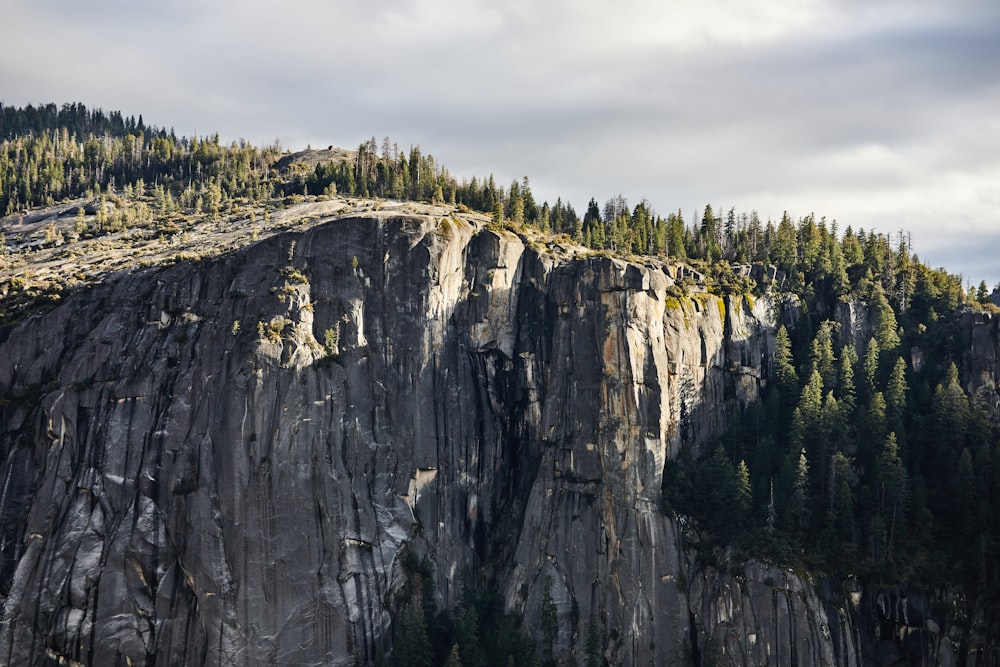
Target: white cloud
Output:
{"points": [[862, 111]]}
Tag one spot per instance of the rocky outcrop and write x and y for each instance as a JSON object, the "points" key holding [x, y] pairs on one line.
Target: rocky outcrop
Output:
{"points": [[855, 327], [770, 616], [982, 359], [223, 462]]}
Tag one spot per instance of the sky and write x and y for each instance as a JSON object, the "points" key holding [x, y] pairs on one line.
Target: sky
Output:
{"points": [[880, 115]]}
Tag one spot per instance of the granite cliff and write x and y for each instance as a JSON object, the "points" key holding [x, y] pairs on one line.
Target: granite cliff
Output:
{"points": [[225, 461]]}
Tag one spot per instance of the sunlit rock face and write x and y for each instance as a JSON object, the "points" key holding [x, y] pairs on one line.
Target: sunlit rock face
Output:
{"points": [[223, 462]]}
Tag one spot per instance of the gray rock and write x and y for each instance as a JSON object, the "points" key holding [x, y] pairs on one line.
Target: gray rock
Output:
{"points": [[224, 462]]}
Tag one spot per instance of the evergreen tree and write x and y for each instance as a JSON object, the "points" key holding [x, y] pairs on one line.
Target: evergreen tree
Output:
{"points": [[771, 521], [942, 440], [806, 416], [411, 645], [467, 632], [844, 512], [845, 378], [870, 368], [840, 282], [800, 494], [982, 294], [593, 226], [821, 356], [875, 420], [811, 243], [498, 216], [964, 502], [453, 658], [675, 235], [745, 493], [721, 500], [831, 439], [884, 321], [950, 413], [784, 251], [895, 396], [893, 492], [515, 204], [784, 366], [708, 237]]}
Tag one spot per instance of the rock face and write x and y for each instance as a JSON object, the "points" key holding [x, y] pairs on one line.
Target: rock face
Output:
{"points": [[983, 358], [769, 616], [223, 462]]}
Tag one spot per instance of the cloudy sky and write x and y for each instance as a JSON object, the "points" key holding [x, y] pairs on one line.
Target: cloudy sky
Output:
{"points": [[883, 115]]}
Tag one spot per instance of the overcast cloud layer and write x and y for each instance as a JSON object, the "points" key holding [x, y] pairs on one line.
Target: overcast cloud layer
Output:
{"points": [[880, 115]]}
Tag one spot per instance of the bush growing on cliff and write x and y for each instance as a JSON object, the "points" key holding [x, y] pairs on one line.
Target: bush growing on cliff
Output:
{"points": [[331, 339]]}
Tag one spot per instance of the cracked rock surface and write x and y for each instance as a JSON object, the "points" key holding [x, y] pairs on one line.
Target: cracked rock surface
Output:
{"points": [[222, 462]]}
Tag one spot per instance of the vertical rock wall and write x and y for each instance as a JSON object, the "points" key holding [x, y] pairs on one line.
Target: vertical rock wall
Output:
{"points": [[222, 462]]}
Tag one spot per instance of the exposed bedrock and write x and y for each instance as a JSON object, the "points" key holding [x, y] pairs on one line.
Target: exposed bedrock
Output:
{"points": [[223, 462]]}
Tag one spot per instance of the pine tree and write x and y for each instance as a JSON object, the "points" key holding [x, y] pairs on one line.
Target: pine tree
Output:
{"points": [[840, 284], [844, 524], [784, 367], [821, 356], [772, 511], [893, 492], [411, 645], [831, 438], [950, 413], [806, 416], [515, 204], [498, 217], [884, 321], [531, 212], [845, 378], [870, 367], [843, 478], [453, 658], [718, 497], [746, 495], [982, 293], [708, 235], [785, 252], [875, 419], [675, 236], [800, 494], [811, 244], [467, 632], [895, 397], [963, 496]]}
